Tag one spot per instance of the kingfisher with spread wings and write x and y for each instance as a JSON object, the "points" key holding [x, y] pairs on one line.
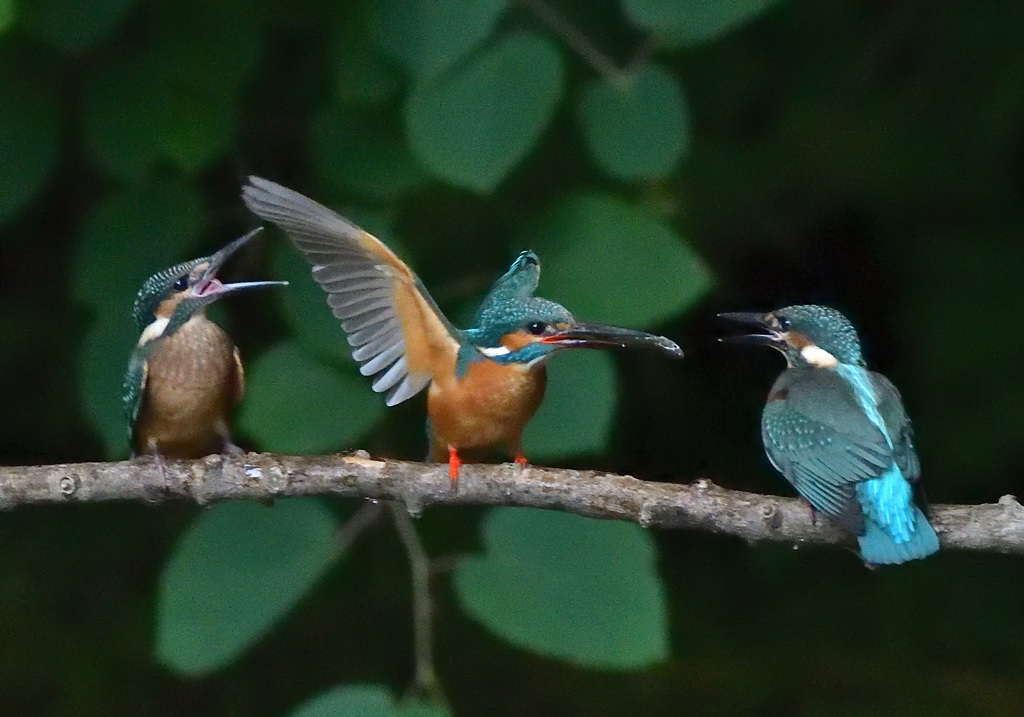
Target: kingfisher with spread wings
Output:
{"points": [[485, 382]]}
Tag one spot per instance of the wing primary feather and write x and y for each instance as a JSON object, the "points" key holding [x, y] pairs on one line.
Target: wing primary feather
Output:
{"points": [[377, 361], [351, 324], [371, 332], [405, 390], [390, 377], [354, 308], [397, 332], [343, 299]]}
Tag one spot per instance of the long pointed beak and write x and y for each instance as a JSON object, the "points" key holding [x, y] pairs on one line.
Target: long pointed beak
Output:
{"points": [[593, 336], [750, 318], [212, 288], [218, 259]]}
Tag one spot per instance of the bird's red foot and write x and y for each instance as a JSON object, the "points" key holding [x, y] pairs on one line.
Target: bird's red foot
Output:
{"points": [[454, 463], [521, 460], [814, 514]]}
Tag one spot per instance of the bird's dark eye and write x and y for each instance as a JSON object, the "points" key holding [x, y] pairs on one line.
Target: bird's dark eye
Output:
{"points": [[181, 283], [784, 323], [537, 328]]}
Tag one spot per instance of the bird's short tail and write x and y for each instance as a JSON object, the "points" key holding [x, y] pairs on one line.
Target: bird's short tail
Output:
{"points": [[878, 547]]}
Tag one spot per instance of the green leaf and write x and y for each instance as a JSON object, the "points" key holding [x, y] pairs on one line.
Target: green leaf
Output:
{"points": [[124, 112], [196, 130], [475, 125], [102, 364], [363, 153], [30, 131], [365, 701], [609, 261], [297, 405], [177, 100], [130, 235], [636, 127], [210, 48], [125, 239], [236, 571], [429, 36], [73, 26], [363, 75], [574, 588], [694, 21], [7, 14], [579, 405]]}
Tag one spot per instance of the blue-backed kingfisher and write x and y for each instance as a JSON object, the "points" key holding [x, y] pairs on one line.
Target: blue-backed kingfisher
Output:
{"points": [[839, 434], [185, 374], [485, 382]]}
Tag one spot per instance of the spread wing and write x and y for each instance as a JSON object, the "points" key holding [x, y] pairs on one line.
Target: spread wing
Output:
{"points": [[396, 331], [890, 406], [819, 438], [134, 390]]}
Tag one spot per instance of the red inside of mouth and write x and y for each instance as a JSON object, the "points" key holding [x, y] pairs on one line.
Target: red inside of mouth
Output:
{"points": [[210, 286]]}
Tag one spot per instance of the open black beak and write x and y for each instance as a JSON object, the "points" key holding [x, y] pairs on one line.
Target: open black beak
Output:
{"points": [[211, 287], [765, 337], [597, 336]]}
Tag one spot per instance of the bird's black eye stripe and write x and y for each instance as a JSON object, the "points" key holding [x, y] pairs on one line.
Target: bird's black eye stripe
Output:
{"points": [[537, 328], [181, 283]]}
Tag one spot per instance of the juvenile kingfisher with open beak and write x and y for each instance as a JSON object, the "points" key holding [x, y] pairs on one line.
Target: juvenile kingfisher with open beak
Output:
{"points": [[839, 433], [485, 382], [185, 374]]}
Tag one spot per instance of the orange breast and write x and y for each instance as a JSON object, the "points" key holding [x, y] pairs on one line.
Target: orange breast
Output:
{"points": [[193, 381], [489, 406]]}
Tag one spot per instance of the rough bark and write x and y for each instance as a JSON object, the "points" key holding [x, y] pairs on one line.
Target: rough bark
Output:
{"points": [[701, 505]]}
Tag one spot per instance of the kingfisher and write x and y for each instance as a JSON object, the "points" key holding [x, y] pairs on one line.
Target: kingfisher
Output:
{"points": [[839, 433], [185, 374], [485, 382]]}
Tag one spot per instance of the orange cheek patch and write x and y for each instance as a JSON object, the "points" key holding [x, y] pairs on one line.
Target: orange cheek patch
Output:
{"points": [[166, 308], [797, 340], [518, 340]]}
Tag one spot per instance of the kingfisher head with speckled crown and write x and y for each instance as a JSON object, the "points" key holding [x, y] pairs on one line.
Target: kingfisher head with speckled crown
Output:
{"points": [[513, 326], [807, 335], [172, 296], [485, 382]]}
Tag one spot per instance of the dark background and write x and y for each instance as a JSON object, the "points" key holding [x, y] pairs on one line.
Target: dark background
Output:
{"points": [[867, 155]]}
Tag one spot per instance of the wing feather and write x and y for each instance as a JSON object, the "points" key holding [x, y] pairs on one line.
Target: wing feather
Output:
{"points": [[817, 436], [134, 389], [395, 329], [890, 406]]}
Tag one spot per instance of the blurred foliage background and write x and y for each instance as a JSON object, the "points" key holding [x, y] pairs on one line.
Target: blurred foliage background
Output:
{"points": [[667, 160]]}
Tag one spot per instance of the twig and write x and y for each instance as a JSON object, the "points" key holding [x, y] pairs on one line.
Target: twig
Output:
{"points": [[367, 515], [425, 678], [600, 62], [580, 43], [996, 527]]}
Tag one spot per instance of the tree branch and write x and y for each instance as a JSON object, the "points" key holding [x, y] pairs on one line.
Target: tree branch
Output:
{"points": [[997, 527]]}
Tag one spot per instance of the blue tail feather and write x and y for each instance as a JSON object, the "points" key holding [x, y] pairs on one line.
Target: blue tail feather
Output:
{"points": [[879, 548]]}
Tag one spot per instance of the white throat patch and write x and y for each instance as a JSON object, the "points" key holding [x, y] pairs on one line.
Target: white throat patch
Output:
{"points": [[819, 357], [495, 350], [154, 331]]}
